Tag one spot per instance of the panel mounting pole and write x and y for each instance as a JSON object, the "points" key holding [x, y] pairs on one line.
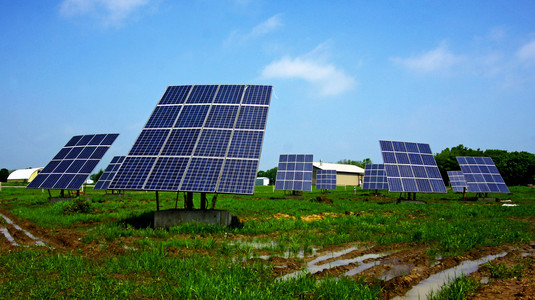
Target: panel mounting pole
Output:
{"points": [[157, 202]]}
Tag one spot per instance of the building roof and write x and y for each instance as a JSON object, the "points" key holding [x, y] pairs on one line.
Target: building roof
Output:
{"points": [[338, 167], [22, 174]]}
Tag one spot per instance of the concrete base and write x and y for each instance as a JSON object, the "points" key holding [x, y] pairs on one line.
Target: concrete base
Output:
{"points": [[173, 217]]}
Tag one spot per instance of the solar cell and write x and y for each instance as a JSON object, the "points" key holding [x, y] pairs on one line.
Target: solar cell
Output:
{"points": [[294, 172], [481, 175], [200, 138], [411, 167], [375, 177], [457, 181], [326, 179], [74, 162], [109, 173]]}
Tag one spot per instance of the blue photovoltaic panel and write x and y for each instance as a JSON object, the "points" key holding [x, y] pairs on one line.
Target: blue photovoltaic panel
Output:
{"points": [[74, 162], [199, 138], [326, 179], [411, 167], [108, 175], [457, 181], [294, 172], [375, 177], [481, 175]]}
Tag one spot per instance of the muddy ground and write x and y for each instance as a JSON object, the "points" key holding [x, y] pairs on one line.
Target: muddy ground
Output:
{"points": [[397, 268]]}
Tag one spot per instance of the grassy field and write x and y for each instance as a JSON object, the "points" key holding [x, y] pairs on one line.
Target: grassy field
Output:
{"points": [[104, 247]]}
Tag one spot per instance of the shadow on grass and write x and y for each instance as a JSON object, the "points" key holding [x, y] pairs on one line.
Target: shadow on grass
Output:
{"points": [[139, 221]]}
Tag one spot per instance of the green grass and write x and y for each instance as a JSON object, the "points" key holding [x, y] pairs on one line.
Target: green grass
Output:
{"points": [[457, 289], [202, 261]]}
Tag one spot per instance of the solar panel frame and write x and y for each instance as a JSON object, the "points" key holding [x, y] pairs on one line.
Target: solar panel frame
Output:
{"points": [[457, 181], [71, 166], [294, 172], [326, 179], [482, 175], [411, 167], [375, 177], [215, 127]]}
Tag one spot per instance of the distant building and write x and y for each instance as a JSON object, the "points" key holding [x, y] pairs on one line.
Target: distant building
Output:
{"points": [[262, 181], [345, 174], [23, 175]]}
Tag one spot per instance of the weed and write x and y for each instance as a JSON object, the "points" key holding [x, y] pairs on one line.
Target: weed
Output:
{"points": [[459, 288], [78, 206], [501, 271]]}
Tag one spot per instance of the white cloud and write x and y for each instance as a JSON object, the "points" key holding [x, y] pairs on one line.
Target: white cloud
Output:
{"points": [[267, 26], [438, 59], [527, 52], [110, 11], [264, 28], [329, 79]]}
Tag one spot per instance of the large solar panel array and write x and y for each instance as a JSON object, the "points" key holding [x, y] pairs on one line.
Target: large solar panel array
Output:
{"points": [[411, 167], [294, 172], [110, 172], [481, 175], [375, 177], [74, 162], [457, 181], [326, 179], [199, 138]]}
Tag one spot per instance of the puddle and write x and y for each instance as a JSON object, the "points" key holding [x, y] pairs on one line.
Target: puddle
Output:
{"points": [[292, 254], [314, 266], [436, 281], [37, 241], [8, 236], [396, 271]]}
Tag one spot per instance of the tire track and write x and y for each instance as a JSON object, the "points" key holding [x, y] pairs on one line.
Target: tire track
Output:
{"points": [[10, 238]]}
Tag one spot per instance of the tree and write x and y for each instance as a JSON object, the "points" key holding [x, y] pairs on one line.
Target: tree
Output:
{"points": [[359, 163], [4, 173], [95, 177], [271, 174]]}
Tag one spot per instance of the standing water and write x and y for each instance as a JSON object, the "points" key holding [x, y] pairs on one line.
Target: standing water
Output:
{"points": [[435, 281]]}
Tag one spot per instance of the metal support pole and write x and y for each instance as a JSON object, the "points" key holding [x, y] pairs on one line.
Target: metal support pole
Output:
{"points": [[157, 202], [203, 201], [189, 201], [214, 200]]}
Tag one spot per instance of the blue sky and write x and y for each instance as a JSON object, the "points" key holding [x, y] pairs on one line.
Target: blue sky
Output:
{"points": [[345, 74]]}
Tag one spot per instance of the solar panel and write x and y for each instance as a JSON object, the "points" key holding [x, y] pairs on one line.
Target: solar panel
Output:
{"points": [[294, 172], [411, 167], [74, 162], [199, 138], [375, 177], [326, 179], [110, 172], [457, 181], [481, 175]]}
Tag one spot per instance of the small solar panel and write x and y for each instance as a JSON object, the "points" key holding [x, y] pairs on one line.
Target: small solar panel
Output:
{"points": [[74, 162], [375, 177], [481, 175], [110, 172], [411, 167], [199, 138], [457, 181], [326, 179], [294, 172]]}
